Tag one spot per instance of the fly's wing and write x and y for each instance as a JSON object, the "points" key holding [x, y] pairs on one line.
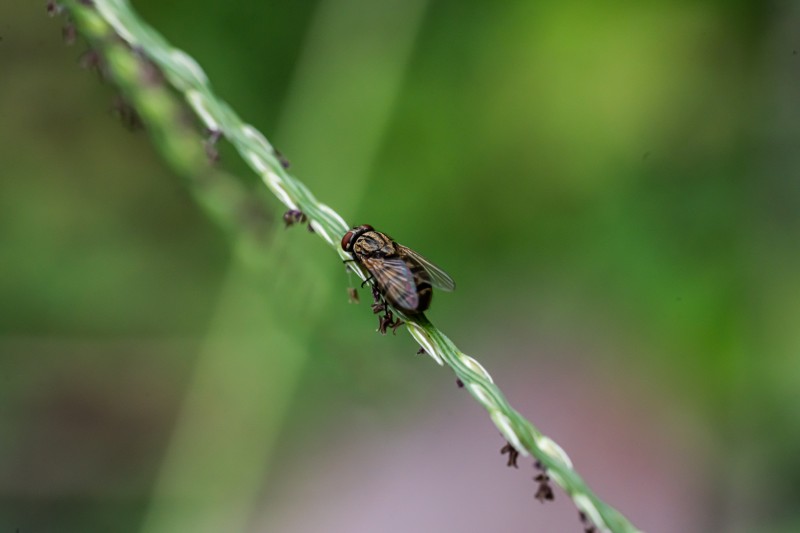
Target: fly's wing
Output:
{"points": [[439, 277], [395, 280]]}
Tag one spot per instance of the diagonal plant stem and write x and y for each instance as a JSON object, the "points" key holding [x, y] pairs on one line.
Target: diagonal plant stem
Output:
{"points": [[111, 20]]}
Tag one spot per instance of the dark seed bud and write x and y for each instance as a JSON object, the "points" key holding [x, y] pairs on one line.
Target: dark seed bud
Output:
{"points": [[127, 114], [544, 493], [69, 34], [376, 294], [352, 295], [587, 524], [294, 216], [210, 146], [384, 322], [53, 8], [90, 60], [512, 452], [282, 160]]}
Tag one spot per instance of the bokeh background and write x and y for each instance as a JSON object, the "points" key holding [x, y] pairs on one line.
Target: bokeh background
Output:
{"points": [[614, 187]]}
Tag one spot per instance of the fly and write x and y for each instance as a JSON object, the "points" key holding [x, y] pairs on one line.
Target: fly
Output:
{"points": [[401, 275]]}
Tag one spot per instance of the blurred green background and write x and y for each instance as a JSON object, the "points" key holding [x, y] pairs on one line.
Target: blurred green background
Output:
{"points": [[613, 186]]}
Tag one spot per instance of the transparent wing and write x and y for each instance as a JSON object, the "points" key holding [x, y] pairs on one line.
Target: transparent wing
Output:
{"points": [[395, 279], [439, 278]]}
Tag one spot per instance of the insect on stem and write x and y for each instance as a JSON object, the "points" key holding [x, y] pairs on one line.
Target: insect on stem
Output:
{"points": [[399, 275]]}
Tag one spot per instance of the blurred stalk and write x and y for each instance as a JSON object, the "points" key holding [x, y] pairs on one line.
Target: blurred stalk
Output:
{"points": [[242, 388], [345, 86], [246, 373], [255, 380]]}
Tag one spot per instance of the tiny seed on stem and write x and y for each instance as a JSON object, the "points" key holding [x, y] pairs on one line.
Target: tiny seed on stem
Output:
{"points": [[513, 453]]}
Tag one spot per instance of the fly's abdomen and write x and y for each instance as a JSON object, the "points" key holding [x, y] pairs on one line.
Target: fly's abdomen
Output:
{"points": [[422, 280]]}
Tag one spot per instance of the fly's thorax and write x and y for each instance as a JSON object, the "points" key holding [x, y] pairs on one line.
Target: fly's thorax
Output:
{"points": [[374, 244]]}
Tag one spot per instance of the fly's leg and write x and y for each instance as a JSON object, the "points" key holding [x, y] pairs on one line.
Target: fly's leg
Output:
{"points": [[387, 318]]}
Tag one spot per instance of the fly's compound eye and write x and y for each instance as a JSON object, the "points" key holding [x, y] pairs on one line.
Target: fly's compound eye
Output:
{"points": [[346, 241], [349, 239]]}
